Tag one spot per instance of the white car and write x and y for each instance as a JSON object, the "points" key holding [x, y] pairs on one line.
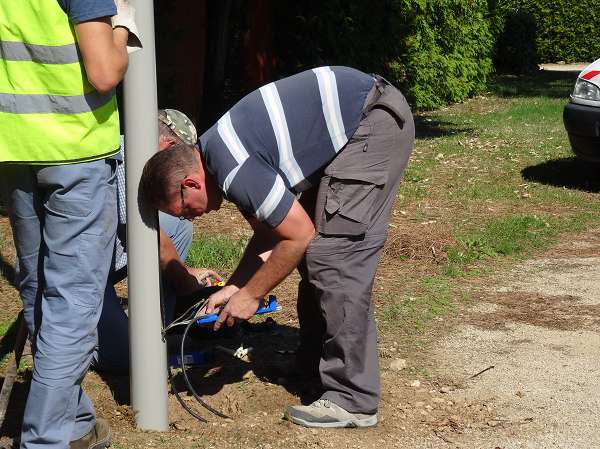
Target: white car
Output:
{"points": [[582, 114]]}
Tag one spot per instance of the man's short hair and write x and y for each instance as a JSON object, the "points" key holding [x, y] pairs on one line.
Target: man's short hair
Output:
{"points": [[163, 173]]}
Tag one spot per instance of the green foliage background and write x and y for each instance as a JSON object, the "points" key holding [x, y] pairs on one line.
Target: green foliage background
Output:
{"points": [[529, 32], [435, 51]]}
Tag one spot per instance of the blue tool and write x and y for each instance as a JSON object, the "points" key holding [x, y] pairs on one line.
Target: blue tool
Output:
{"points": [[271, 306]]}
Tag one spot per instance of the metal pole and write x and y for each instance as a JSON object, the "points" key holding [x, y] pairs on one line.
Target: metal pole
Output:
{"points": [[148, 359]]}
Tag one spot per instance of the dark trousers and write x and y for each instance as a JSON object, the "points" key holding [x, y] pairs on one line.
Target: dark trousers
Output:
{"points": [[351, 209]]}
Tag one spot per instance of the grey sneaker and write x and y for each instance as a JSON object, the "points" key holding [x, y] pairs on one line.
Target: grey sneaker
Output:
{"points": [[324, 413]]}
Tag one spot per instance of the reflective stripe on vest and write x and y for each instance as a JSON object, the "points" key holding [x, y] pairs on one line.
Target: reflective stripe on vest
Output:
{"points": [[49, 112], [53, 104], [46, 54]]}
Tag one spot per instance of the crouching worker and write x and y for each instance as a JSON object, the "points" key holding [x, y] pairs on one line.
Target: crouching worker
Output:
{"points": [[112, 351], [342, 138]]}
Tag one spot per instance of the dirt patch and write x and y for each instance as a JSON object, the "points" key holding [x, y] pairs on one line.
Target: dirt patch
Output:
{"points": [[417, 242], [533, 335], [10, 304], [561, 312], [580, 246], [227, 221]]}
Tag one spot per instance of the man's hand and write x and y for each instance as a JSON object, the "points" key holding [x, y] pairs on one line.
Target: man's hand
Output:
{"points": [[219, 298], [241, 306], [205, 277]]}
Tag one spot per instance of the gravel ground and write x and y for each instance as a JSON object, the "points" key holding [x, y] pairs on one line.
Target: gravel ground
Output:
{"points": [[538, 328]]}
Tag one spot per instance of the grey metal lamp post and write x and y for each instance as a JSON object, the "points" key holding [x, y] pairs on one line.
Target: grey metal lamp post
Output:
{"points": [[148, 360]]}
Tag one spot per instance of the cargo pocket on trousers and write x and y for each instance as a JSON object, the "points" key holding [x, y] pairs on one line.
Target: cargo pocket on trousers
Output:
{"points": [[92, 281], [347, 209]]}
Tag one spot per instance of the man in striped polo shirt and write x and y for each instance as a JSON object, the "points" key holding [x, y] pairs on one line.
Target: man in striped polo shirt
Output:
{"points": [[342, 139]]}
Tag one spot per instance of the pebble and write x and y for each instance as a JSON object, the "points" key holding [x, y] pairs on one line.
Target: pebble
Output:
{"points": [[415, 383], [445, 390], [398, 364]]}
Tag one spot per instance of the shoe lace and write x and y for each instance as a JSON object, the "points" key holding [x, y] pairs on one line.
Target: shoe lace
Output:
{"points": [[322, 403]]}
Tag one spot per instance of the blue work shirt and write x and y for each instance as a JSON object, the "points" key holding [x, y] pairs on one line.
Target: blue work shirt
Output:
{"points": [[82, 10]]}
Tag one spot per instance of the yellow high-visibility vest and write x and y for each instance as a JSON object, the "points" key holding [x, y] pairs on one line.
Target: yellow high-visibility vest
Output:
{"points": [[49, 111]]}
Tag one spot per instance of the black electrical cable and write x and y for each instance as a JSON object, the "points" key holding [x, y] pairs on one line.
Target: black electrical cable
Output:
{"points": [[186, 378], [181, 401], [170, 374], [193, 310]]}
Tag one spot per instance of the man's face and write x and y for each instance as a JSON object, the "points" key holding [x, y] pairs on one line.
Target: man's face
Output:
{"points": [[190, 202]]}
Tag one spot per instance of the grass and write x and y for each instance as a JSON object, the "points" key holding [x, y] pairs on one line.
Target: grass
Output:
{"points": [[504, 236], [217, 252], [8, 332], [497, 172]]}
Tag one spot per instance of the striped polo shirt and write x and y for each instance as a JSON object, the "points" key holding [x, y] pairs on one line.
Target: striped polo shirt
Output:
{"points": [[276, 141]]}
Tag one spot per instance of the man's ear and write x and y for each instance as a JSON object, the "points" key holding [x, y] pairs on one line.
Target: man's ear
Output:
{"points": [[191, 183], [165, 142]]}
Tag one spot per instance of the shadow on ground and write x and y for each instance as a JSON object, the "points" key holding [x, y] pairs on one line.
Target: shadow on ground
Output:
{"points": [[11, 427], [272, 355], [539, 84], [7, 271], [428, 128], [7, 342], [572, 173]]}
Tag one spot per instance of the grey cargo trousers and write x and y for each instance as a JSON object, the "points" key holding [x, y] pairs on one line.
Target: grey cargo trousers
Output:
{"points": [[351, 209]]}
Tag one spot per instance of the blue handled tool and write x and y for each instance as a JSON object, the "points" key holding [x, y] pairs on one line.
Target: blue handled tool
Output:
{"points": [[271, 306]]}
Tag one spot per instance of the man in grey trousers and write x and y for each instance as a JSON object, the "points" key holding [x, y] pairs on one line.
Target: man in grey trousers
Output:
{"points": [[342, 138]]}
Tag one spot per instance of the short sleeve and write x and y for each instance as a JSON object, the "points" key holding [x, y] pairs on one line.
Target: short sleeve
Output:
{"points": [[82, 10], [258, 189]]}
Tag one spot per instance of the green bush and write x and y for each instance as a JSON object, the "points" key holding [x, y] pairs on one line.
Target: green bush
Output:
{"points": [[447, 50], [529, 32], [435, 51]]}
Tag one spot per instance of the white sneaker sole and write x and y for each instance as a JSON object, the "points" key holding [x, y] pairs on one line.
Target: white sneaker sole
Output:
{"points": [[371, 421]]}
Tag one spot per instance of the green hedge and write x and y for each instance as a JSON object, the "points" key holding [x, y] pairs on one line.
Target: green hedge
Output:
{"points": [[435, 51], [447, 50], [529, 32]]}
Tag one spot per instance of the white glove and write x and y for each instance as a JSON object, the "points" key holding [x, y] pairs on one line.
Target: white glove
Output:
{"points": [[126, 18]]}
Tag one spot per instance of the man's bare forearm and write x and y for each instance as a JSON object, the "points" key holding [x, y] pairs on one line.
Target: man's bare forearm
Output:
{"points": [[286, 256], [256, 253], [104, 52], [173, 267]]}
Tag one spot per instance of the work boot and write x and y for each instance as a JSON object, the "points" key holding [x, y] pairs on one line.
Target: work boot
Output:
{"points": [[97, 438], [324, 413]]}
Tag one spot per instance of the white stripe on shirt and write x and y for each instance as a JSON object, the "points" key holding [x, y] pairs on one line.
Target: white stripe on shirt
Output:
{"points": [[331, 106], [272, 200], [230, 177], [287, 162], [231, 139]]}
